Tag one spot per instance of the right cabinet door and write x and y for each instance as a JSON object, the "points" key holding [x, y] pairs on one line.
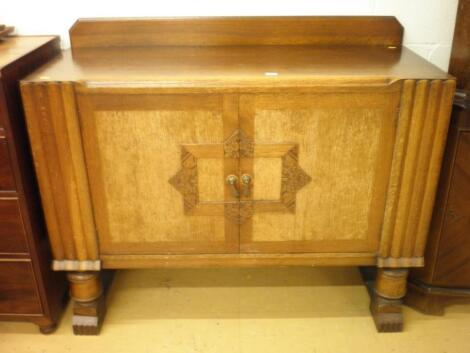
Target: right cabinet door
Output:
{"points": [[319, 164]]}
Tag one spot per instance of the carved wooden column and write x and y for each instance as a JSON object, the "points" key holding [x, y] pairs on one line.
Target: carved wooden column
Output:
{"points": [[386, 299], [86, 291]]}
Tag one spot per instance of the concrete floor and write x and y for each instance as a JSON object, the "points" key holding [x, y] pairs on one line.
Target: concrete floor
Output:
{"points": [[285, 310]]}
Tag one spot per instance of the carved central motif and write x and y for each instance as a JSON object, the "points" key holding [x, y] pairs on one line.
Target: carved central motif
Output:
{"points": [[239, 145]]}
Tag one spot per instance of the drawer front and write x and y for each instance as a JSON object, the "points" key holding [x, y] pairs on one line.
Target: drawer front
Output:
{"points": [[7, 181], [18, 293], [12, 232]]}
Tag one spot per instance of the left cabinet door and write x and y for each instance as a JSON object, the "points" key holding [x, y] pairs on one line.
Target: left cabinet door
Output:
{"points": [[156, 168]]}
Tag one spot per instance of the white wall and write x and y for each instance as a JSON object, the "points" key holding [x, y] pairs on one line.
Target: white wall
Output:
{"points": [[429, 24]]}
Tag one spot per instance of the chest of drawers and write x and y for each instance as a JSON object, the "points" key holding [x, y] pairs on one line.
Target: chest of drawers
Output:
{"points": [[29, 289], [237, 142]]}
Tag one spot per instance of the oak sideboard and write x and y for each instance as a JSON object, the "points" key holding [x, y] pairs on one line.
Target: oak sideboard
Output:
{"points": [[254, 141]]}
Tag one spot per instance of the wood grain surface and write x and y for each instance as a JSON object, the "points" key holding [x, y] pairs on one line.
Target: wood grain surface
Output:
{"points": [[210, 31], [139, 207], [422, 129], [344, 146], [236, 68]]}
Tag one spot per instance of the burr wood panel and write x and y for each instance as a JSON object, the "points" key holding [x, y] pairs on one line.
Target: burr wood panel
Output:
{"points": [[168, 148], [334, 174]]}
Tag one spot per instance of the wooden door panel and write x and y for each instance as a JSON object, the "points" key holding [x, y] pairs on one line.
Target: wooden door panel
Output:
{"points": [[320, 169], [156, 171]]}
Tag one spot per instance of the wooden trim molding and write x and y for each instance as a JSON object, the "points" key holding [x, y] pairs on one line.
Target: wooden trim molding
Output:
{"points": [[75, 265], [400, 262], [238, 260]]}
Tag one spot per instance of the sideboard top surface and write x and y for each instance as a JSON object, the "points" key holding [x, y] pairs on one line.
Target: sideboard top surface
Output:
{"points": [[244, 65], [237, 52]]}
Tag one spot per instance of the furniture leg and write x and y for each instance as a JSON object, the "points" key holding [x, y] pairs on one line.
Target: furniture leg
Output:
{"points": [[86, 291], [386, 299], [47, 329], [46, 325]]}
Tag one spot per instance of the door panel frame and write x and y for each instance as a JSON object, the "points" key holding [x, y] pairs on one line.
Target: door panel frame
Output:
{"points": [[280, 101], [90, 100]]}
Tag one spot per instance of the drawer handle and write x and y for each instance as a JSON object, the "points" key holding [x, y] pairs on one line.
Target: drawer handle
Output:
{"points": [[232, 181], [246, 181]]}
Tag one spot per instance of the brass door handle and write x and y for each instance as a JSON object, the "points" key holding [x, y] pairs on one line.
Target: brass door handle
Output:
{"points": [[246, 182], [232, 181]]}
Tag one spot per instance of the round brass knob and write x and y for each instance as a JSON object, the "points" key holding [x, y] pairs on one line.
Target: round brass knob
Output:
{"points": [[246, 179], [231, 179]]}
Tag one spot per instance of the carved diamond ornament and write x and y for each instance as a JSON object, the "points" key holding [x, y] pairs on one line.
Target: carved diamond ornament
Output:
{"points": [[293, 177], [239, 145], [185, 181]]}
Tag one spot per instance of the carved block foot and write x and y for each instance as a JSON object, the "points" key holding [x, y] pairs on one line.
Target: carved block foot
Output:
{"points": [[387, 314], [386, 295], [88, 317]]}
